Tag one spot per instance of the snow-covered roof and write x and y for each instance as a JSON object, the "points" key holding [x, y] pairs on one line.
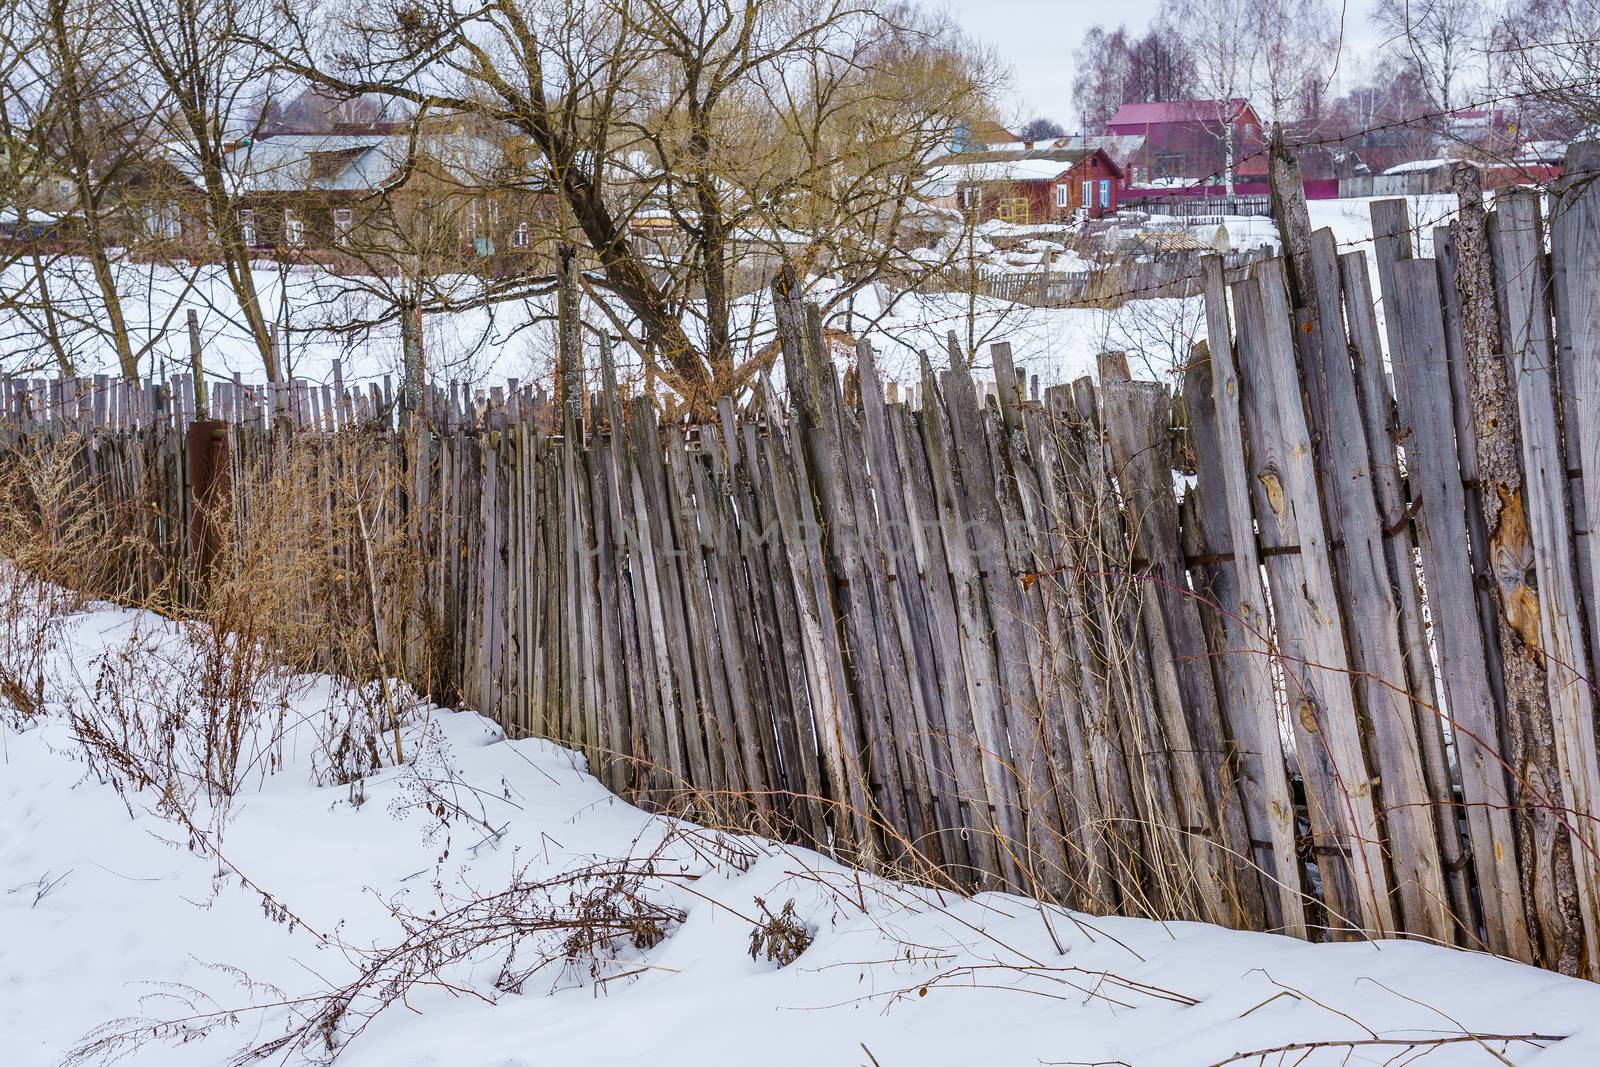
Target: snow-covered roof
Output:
{"points": [[1159, 112], [1419, 165], [1037, 165], [296, 162], [1121, 147], [1542, 152]]}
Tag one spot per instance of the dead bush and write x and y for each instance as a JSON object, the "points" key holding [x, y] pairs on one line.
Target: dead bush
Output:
{"points": [[780, 938], [307, 579], [55, 538]]}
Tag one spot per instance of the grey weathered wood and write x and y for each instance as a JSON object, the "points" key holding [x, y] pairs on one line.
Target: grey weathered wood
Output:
{"points": [[819, 423], [1422, 360], [989, 740], [1144, 786], [788, 656], [1391, 243], [1525, 335], [1438, 490], [1137, 420], [1067, 677], [838, 736], [1251, 671], [1372, 613], [1311, 628], [975, 814], [908, 611], [998, 614], [1207, 550]]}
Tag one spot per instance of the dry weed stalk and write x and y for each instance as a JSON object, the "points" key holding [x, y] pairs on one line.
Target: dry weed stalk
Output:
{"points": [[312, 575], [590, 924], [58, 538]]}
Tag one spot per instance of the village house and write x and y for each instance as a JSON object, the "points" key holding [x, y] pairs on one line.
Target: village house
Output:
{"points": [[983, 135], [36, 197], [365, 201], [1126, 150], [1031, 187], [1183, 139]]}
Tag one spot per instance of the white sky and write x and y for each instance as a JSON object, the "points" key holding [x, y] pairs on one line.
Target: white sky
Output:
{"points": [[1036, 38]]}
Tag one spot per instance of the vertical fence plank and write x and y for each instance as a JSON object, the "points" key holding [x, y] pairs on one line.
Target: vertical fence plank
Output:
{"points": [[1248, 627], [1311, 629], [1372, 615], [1516, 241]]}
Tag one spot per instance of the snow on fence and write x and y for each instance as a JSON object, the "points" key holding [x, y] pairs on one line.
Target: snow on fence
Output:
{"points": [[1341, 688]]}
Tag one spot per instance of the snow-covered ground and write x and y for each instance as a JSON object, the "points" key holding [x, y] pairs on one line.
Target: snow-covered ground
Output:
{"points": [[110, 912], [515, 340]]}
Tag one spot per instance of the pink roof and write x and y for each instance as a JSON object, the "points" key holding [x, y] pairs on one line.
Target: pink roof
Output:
{"points": [[1166, 111]]}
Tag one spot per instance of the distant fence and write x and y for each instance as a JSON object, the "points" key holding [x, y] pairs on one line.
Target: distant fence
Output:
{"points": [[1327, 692], [1251, 198], [1167, 274], [1166, 198], [1210, 210], [1407, 183]]}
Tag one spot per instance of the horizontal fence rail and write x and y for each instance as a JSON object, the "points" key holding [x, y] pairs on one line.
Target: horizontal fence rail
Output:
{"points": [[1338, 687]]}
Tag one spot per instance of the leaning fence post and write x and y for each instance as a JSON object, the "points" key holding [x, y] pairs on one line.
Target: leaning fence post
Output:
{"points": [[206, 455]]}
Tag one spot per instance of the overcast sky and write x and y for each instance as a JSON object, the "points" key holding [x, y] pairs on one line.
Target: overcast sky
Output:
{"points": [[1036, 38]]}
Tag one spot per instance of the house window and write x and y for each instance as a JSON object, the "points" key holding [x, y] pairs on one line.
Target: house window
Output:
{"points": [[162, 220], [972, 198], [519, 236], [1105, 193], [294, 230], [247, 227], [1013, 209], [1088, 193], [343, 221], [1063, 196]]}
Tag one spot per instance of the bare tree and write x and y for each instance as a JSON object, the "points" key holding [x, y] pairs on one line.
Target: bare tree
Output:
{"points": [[1040, 128], [1224, 37], [677, 136], [1160, 66], [1440, 39], [1548, 53], [82, 130], [1116, 68], [84, 125], [195, 53], [1299, 55], [1104, 72]]}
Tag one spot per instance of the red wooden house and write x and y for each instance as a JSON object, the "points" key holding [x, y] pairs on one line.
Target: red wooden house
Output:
{"points": [[1039, 186], [1184, 138], [1092, 183]]}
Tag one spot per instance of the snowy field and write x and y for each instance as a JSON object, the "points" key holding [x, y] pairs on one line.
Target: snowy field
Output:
{"points": [[325, 319], [112, 912]]}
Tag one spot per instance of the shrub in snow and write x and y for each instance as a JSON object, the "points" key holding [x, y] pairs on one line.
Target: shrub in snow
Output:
{"points": [[781, 938]]}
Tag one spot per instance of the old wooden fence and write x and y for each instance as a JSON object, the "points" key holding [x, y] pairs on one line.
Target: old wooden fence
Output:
{"points": [[1340, 687]]}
